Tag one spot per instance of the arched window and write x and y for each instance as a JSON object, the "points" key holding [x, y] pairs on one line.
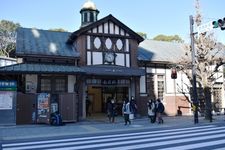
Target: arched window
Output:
{"points": [[91, 17], [85, 17]]}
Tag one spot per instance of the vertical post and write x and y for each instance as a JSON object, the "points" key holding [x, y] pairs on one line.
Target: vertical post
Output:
{"points": [[174, 82], [195, 98]]}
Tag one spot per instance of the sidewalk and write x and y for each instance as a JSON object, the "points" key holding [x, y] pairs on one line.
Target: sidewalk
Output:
{"points": [[95, 126]]}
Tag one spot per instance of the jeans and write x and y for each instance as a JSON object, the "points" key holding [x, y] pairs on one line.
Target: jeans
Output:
{"points": [[127, 119]]}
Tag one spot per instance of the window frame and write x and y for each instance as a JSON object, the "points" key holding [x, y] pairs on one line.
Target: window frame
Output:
{"points": [[52, 83]]}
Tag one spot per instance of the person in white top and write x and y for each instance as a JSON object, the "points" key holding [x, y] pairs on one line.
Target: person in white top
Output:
{"points": [[126, 111], [151, 110]]}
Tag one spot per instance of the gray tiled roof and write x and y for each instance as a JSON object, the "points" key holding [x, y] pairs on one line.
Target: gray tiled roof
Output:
{"points": [[159, 51], [41, 68], [113, 70], [44, 42]]}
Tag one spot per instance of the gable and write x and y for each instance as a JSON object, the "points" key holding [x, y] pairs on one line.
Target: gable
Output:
{"points": [[108, 25]]}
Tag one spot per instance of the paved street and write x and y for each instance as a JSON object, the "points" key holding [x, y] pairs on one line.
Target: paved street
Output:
{"points": [[175, 133], [170, 138]]}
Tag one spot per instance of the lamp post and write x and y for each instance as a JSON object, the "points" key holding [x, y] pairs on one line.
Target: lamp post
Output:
{"points": [[195, 96]]}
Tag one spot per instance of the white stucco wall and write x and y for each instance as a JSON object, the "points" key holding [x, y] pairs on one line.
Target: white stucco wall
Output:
{"points": [[142, 85], [71, 83], [97, 58], [171, 85], [120, 59]]}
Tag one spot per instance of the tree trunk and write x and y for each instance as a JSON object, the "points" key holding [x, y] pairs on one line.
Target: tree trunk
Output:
{"points": [[208, 104]]}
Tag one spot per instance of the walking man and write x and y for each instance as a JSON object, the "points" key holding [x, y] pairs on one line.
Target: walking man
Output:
{"points": [[159, 110], [111, 109]]}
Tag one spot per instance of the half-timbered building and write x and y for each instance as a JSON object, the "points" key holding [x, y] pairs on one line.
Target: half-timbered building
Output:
{"points": [[57, 71]]}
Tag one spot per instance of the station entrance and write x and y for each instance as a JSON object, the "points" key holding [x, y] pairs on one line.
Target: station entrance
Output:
{"points": [[98, 97]]}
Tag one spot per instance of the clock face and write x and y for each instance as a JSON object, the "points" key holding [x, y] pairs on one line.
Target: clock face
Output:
{"points": [[109, 57]]}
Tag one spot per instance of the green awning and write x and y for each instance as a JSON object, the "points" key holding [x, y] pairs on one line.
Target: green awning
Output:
{"points": [[35, 68]]}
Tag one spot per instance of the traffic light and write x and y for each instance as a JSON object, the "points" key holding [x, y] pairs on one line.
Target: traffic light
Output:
{"points": [[173, 73], [219, 23], [215, 24]]}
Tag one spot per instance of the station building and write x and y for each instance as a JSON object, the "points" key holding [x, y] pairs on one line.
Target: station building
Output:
{"points": [[57, 71]]}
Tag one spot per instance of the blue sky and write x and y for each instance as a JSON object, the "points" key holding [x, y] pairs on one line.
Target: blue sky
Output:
{"points": [[153, 17]]}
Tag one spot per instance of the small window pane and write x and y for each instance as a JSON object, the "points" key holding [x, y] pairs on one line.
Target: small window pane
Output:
{"points": [[160, 89], [45, 85], [150, 85], [60, 85]]}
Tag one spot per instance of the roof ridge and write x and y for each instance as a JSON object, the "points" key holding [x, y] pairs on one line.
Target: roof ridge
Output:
{"points": [[25, 28], [163, 41]]}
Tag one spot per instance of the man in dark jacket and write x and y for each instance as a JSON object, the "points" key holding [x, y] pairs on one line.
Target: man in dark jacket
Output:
{"points": [[88, 104], [133, 106], [159, 110], [111, 110]]}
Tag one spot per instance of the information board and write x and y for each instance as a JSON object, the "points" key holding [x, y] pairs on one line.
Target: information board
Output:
{"points": [[6, 100], [43, 108]]}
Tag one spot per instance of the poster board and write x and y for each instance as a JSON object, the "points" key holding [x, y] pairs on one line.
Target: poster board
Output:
{"points": [[6, 100], [43, 108], [8, 90]]}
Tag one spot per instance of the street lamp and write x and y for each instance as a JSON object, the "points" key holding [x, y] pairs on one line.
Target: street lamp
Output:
{"points": [[195, 96]]}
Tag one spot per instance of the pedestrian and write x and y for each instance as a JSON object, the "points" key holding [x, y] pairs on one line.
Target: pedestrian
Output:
{"points": [[56, 119], [133, 106], [126, 111], [159, 110], [33, 114], [88, 103], [151, 110], [111, 109]]}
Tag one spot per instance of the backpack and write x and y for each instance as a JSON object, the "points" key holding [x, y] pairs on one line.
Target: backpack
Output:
{"points": [[56, 119], [125, 106], [161, 107]]}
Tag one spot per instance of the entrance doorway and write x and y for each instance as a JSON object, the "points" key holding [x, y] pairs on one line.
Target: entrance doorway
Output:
{"points": [[99, 95]]}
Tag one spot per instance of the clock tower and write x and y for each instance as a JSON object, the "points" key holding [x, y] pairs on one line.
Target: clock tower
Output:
{"points": [[108, 56]]}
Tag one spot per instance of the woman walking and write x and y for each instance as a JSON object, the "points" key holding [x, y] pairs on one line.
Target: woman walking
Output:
{"points": [[126, 111], [151, 110]]}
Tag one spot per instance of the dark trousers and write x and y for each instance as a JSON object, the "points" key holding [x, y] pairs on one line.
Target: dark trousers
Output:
{"points": [[159, 117], [87, 111], [152, 118], [111, 118], [126, 119]]}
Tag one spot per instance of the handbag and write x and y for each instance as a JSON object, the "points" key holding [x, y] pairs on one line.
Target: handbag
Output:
{"points": [[131, 116]]}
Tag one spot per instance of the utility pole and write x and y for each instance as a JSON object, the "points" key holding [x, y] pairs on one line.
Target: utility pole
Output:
{"points": [[195, 96]]}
